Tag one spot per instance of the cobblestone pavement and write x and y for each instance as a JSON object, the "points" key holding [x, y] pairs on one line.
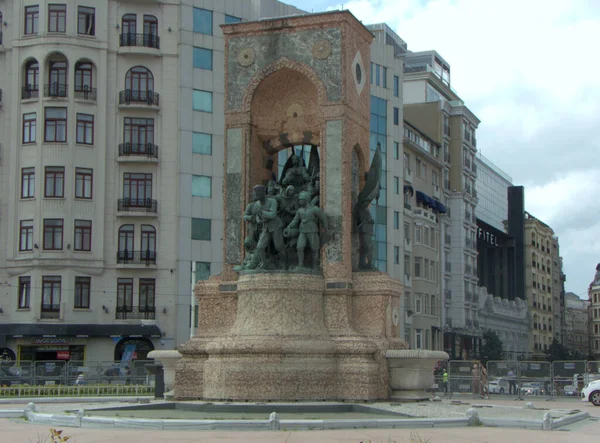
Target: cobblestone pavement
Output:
{"points": [[587, 431]]}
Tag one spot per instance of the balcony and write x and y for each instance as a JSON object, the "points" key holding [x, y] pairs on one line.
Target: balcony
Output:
{"points": [[56, 90], [136, 257], [141, 206], [50, 311], [139, 40], [407, 206], [138, 151], [135, 313], [131, 98], [88, 94], [30, 92]]}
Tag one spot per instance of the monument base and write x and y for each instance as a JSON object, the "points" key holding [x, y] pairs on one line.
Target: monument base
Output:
{"points": [[411, 373]]}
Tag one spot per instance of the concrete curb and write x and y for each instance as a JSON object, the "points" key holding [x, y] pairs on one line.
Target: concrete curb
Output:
{"points": [[42, 400], [569, 419]]}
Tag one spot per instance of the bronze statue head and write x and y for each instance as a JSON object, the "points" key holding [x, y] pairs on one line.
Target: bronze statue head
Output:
{"points": [[260, 192]]}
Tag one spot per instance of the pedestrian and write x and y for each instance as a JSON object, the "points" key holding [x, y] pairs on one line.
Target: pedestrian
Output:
{"points": [[476, 381], [80, 380], [445, 381], [483, 391], [512, 382]]}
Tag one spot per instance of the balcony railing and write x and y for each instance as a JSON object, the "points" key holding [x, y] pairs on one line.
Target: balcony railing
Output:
{"points": [[136, 257], [143, 40], [137, 205], [407, 206], [50, 311], [56, 90], [85, 94], [139, 149], [135, 313], [129, 96], [28, 92]]}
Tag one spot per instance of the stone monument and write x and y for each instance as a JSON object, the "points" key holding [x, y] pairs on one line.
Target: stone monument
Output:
{"points": [[290, 317]]}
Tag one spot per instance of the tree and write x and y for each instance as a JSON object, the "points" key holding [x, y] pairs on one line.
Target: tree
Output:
{"points": [[558, 352], [492, 348]]}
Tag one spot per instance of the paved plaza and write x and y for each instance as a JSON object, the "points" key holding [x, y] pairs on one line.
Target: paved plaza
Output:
{"points": [[14, 430]]}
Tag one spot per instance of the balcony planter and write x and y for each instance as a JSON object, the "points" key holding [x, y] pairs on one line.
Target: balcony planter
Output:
{"points": [[411, 373]]}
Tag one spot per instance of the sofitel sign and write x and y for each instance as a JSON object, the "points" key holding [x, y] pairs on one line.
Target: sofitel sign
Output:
{"points": [[487, 236]]}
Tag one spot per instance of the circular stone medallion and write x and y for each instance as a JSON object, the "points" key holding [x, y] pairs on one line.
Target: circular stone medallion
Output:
{"points": [[321, 49], [246, 56]]}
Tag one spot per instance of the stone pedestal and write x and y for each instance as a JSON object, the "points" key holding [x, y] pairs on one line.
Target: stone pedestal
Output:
{"points": [[411, 373], [168, 359]]}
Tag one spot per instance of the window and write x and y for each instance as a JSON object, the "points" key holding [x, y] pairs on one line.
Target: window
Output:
{"points": [[434, 178], [407, 232], [139, 79], [423, 173], [26, 235], [203, 21], [83, 235], [396, 150], [29, 122], [148, 244], [57, 18], [53, 234], [406, 163], [27, 182], [202, 101], [82, 292], [83, 77], [54, 182], [57, 79], [32, 78], [150, 27], [84, 183], [396, 255], [396, 86], [418, 303], [201, 271], [407, 265], [86, 20], [126, 235], [124, 294], [231, 19], [137, 188], [418, 262], [201, 229], [32, 19], [56, 125], [138, 134], [203, 58], [201, 143], [51, 293], [377, 74], [418, 233], [396, 116], [396, 220], [129, 26], [147, 291], [201, 186], [24, 292], [85, 129], [384, 73], [396, 185]]}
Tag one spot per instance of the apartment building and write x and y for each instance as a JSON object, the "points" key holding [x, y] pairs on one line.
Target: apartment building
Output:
{"points": [[577, 326], [88, 129], [431, 105], [540, 247], [594, 314]]}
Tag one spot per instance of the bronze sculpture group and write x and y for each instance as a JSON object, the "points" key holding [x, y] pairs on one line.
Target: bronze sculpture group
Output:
{"points": [[284, 219]]}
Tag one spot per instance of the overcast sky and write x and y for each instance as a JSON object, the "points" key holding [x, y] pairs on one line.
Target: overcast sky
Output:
{"points": [[530, 70]]}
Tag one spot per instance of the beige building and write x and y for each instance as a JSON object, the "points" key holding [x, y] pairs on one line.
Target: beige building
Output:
{"points": [[594, 315], [432, 106], [539, 269], [577, 336], [88, 129]]}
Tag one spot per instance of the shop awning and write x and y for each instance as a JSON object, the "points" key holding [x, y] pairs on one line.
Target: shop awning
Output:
{"points": [[424, 199], [409, 189], [74, 330], [440, 207]]}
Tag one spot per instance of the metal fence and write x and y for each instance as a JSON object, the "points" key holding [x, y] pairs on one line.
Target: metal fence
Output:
{"points": [[69, 373]]}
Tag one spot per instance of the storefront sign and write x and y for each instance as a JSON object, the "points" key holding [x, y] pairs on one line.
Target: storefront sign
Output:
{"points": [[487, 236], [51, 340], [63, 355]]}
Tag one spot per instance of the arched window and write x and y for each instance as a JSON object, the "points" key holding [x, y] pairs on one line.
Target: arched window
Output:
{"points": [[126, 238], [57, 77], [148, 242], [138, 348], [83, 77], [32, 77], [139, 79], [150, 25], [129, 25]]}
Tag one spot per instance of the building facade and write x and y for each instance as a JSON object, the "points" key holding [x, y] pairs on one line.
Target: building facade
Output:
{"points": [[577, 330], [492, 192], [88, 134], [594, 315]]}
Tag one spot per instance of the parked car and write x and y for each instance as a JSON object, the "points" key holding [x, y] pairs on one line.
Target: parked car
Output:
{"points": [[533, 388], [591, 393], [570, 390], [498, 386]]}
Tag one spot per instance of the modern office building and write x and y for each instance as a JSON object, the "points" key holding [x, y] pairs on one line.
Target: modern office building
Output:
{"points": [[577, 326], [432, 106], [492, 192], [594, 314], [88, 129], [540, 247]]}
